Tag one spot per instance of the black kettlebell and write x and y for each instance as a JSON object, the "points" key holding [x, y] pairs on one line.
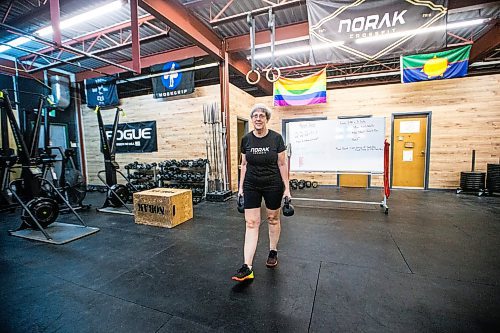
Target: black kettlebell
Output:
{"points": [[288, 209], [241, 204]]}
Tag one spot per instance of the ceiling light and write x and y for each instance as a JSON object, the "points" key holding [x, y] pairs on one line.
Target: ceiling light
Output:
{"points": [[69, 22], [446, 27], [294, 50], [15, 42], [90, 15]]}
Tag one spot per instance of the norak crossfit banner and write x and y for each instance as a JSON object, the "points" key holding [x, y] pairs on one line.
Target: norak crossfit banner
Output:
{"points": [[134, 137], [175, 83], [363, 30], [101, 92]]}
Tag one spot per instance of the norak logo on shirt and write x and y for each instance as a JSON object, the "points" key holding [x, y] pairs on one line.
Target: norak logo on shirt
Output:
{"points": [[259, 151]]}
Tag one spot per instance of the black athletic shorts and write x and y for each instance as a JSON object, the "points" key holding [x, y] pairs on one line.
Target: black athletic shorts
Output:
{"points": [[253, 198]]}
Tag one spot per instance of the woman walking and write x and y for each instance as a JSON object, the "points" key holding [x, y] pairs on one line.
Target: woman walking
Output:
{"points": [[264, 174]]}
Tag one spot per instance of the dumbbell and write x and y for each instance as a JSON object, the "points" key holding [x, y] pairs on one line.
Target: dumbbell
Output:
{"points": [[241, 204], [288, 209]]}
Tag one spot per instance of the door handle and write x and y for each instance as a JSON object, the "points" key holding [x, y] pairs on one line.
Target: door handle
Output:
{"points": [[422, 152]]}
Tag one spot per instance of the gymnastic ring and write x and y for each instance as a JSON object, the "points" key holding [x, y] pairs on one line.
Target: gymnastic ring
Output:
{"points": [[275, 78], [248, 76]]}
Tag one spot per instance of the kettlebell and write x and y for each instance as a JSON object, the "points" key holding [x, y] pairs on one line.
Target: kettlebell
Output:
{"points": [[288, 209], [241, 204]]}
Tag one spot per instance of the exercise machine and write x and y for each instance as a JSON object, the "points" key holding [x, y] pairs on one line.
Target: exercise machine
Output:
{"points": [[118, 195], [70, 180], [7, 160], [39, 209]]}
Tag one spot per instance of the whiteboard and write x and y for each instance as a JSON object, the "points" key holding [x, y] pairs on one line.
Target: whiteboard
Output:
{"points": [[341, 145]]}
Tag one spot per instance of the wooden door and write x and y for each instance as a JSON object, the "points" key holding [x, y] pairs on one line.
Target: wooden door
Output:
{"points": [[409, 151]]}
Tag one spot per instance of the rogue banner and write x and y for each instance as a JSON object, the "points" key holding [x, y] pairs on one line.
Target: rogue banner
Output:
{"points": [[134, 137], [358, 31], [176, 83]]}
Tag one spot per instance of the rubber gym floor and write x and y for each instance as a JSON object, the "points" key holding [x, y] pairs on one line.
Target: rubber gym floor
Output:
{"points": [[431, 265]]}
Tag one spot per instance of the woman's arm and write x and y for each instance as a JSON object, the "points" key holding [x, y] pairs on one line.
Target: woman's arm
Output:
{"points": [[243, 171], [282, 164]]}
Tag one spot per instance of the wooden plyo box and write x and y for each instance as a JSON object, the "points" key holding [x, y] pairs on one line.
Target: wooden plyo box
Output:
{"points": [[163, 207]]}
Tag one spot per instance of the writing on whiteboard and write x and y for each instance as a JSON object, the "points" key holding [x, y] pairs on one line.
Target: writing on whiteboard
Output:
{"points": [[359, 148], [354, 129], [306, 132], [355, 144]]}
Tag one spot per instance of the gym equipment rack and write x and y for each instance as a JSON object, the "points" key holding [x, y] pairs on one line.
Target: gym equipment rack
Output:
{"points": [[144, 176], [186, 174]]}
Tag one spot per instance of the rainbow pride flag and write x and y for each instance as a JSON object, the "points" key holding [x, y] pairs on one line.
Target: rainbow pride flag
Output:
{"points": [[302, 91]]}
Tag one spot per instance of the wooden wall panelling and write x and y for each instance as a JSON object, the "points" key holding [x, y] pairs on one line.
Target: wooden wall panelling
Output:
{"points": [[465, 116], [179, 123], [240, 104]]}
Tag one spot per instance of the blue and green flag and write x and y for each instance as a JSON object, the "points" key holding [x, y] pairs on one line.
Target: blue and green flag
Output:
{"points": [[435, 66]]}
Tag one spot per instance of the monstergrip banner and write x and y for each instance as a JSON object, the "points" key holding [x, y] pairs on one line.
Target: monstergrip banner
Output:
{"points": [[137, 137], [363, 30], [101, 92], [173, 83]]}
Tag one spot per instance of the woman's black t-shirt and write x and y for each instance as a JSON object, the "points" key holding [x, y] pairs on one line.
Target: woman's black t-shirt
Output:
{"points": [[262, 161]]}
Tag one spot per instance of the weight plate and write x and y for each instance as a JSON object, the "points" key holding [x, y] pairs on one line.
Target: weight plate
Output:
{"points": [[121, 192], [45, 210], [472, 180]]}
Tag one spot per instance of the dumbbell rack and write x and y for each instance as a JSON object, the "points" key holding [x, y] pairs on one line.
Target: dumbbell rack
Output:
{"points": [[185, 174], [142, 175]]}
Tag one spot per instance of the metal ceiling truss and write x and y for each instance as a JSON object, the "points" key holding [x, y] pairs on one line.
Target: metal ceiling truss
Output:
{"points": [[481, 47], [7, 12], [216, 20], [167, 14], [121, 29], [146, 61], [116, 47], [179, 18], [55, 45], [35, 10], [116, 38], [20, 48]]}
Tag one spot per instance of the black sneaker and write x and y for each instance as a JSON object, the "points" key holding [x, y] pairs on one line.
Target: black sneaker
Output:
{"points": [[244, 273], [272, 259]]}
